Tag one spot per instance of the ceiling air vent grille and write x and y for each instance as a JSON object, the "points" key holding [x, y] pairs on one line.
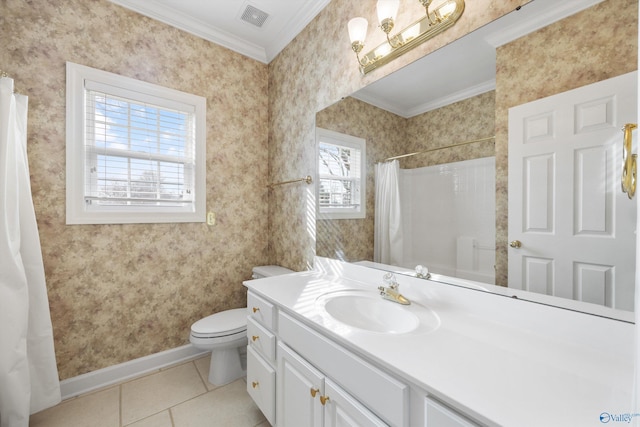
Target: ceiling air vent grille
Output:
{"points": [[254, 16]]}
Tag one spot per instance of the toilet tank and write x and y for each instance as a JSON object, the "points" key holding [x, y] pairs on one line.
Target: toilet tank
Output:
{"points": [[268, 271]]}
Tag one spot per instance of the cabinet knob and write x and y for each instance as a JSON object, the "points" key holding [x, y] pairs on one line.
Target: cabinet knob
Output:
{"points": [[324, 400], [254, 337], [255, 384], [314, 391], [255, 309]]}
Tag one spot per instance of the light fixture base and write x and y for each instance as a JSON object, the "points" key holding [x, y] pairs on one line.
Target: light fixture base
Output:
{"points": [[412, 36]]}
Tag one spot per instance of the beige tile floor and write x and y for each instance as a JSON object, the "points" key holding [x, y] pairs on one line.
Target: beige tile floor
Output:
{"points": [[178, 396]]}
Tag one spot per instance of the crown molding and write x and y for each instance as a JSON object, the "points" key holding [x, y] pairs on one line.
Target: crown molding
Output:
{"points": [[430, 105], [294, 27], [191, 25], [452, 98], [562, 10]]}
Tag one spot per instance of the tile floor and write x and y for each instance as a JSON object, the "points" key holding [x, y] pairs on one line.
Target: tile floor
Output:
{"points": [[177, 396]]}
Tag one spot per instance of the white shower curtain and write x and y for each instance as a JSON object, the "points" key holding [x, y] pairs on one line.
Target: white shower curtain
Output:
{"points": [[28, 373], [387, 241]]}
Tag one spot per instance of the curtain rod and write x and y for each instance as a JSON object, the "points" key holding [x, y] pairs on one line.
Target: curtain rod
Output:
{"points": [[442, 148], [306, 179]]}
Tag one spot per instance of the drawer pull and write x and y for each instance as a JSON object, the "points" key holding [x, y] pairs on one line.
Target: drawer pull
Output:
{"points": [[255, 384], [254, 338], [256, 309], [314, 391], [324, 400]]}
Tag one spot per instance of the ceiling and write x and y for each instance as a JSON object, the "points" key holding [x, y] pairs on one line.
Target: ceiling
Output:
{"points": [[458, 71], [220, 21]]}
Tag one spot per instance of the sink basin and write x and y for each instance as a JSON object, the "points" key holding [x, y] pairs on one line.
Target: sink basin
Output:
{"points": [[366, 310]]}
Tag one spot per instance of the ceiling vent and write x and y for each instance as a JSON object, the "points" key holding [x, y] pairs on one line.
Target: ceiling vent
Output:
{"points": [[254, 16]]}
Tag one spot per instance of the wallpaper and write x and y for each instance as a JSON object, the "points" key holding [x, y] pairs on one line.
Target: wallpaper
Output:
{"points": [[390, 135], [317, 69], [384, 133], [119, 292], [596, 44]]}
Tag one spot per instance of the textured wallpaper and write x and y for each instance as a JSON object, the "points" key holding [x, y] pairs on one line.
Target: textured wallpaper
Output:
{"points": [[118, 292], [384, 132], [596, 44], [317, 69], [390, 135]]}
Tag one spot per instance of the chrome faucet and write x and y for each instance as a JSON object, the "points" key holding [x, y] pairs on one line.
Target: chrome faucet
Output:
{"points": [[390, 291]]}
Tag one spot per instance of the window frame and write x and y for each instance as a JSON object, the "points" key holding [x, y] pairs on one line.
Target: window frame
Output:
{"points": [[341, 139], [80, 79]]}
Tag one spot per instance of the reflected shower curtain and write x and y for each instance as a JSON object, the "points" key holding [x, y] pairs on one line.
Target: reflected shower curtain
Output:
{"points": [[387, 243], [28, 373]]}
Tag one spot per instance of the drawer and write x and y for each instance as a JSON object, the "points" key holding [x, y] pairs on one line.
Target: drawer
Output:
{"points": [[378, 391], [261, 311], [260, 339], [261, 384]]}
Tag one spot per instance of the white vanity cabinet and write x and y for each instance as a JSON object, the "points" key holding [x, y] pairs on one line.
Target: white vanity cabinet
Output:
{"points": [[306, 397], [299, 389], [261, 355], [303, 353], [299, 377]]}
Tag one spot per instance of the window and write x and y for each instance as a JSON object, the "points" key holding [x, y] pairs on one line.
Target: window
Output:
{"points": [[135, 151], [341, 175]]}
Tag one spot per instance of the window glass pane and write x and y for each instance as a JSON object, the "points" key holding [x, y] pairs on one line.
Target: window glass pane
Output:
{"points": [[339, 170], [132, 142]]}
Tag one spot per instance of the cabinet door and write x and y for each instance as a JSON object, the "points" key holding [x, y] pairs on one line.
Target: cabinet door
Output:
{"points": [[342, 410], [261, 384], [300, 386]]}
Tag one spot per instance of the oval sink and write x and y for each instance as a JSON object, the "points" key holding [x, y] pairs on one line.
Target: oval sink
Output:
{"points": [[368, 311]]}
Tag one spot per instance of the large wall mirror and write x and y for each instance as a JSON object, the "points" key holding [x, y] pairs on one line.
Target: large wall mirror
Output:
{"points": [[453, 107]]}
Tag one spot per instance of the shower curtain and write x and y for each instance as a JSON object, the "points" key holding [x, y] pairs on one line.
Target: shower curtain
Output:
{"points": [[28, 373], [387, 240]]}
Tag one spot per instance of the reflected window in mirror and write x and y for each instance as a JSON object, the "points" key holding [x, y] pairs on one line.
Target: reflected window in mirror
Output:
{"points": [[341, 175]]}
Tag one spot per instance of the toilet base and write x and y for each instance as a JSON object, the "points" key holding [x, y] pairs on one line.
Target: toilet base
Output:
{"points": [[227, 365]]}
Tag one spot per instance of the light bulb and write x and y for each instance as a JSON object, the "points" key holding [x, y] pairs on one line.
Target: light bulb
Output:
{"points": [[387, 9], [357, 29]]}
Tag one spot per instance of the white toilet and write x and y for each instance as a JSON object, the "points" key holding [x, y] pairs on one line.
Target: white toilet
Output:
{"points": [[225, 335]]}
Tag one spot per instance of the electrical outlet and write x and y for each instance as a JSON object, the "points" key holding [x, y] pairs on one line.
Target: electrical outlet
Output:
{"points": [[211, 218]]}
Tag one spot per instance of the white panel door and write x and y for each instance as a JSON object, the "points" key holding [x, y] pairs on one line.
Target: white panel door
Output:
{"points": [[342, 410], [566, 208], [300, 387]]}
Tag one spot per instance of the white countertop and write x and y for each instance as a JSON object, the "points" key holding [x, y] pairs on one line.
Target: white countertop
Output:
{"points": [[501, 361]]}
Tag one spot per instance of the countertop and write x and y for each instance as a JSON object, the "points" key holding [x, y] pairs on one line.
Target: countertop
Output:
{"points": [[500, 361]]}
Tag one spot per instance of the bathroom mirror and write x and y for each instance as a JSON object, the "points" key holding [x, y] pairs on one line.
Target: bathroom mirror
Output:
{"points": [[466, 99]]}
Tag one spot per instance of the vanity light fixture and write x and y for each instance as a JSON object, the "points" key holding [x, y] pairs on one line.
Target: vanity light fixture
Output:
{"points": [[434, 22]]}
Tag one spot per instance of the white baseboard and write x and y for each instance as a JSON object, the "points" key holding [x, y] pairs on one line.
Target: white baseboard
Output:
{"points": [[101, 378]]}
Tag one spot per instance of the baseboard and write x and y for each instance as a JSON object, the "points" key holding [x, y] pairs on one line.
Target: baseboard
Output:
{"points": [[101, 378]]}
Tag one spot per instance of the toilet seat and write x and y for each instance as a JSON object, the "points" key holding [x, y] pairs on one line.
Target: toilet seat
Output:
{"points": [[223, 324]]}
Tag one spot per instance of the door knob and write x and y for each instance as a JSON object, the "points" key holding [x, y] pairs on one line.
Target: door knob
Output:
{"points": [[516, 244]]}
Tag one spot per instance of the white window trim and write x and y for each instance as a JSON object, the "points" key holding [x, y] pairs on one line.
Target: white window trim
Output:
{"points": [[347, 141], [76, 213]]}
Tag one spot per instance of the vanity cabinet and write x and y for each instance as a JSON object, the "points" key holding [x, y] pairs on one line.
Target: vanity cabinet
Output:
{"points": [[261, 356], [300, 377], [306, 397]]}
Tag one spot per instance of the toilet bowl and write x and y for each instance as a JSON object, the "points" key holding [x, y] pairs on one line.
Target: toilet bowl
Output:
{"points": [[225, 335]]}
